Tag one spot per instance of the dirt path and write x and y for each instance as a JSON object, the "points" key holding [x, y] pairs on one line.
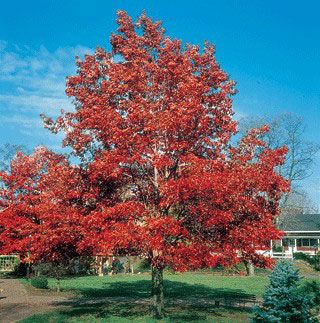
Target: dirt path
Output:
{"points": [[17, 303]]}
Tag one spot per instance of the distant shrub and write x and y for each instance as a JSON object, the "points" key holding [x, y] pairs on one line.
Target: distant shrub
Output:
{"points": [[20, 270], [277, 249], [218, 269], [302, 256], [71, 267], [117, 266], [39, 282], [143, 265], [314, 261], [311, 289], [43, 269]]}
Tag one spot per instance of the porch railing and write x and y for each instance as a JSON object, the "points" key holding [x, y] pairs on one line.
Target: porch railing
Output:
{"points": [[8, 263]]}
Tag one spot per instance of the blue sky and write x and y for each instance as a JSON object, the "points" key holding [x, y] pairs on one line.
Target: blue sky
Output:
{"points": [[271, 48]]}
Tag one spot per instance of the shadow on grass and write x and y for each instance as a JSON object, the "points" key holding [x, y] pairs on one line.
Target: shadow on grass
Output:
{"points": [[130, 300], [133, 312], [173, 290]]}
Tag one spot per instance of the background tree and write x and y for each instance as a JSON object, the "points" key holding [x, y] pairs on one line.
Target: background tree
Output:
{"points": [[288, 129], [298, 202], [7, 153], [282, 301], [152, 128], [41, 208]]}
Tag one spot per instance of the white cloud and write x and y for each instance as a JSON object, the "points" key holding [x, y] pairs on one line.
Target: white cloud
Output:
{"points": [[26, 122], [32, 81], [34, 102], [3, 44], [41, 71]]}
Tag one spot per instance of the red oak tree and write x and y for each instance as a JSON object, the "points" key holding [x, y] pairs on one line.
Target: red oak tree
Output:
{"points": [[156, 117], [152, 126]]}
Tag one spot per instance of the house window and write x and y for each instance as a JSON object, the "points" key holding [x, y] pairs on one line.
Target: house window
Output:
{"points": [[288, 242], [305, 242], [313, 242]]}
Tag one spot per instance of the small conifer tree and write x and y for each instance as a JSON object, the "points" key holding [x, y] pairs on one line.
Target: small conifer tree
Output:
{"points": [[282, 301]]}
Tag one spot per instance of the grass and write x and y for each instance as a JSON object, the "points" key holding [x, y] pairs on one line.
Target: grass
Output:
{"points": [[176, 285], [305, 268], [190, 297]]}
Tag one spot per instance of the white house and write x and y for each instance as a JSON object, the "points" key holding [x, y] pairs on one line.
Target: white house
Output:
{"points": [[301, 234]]}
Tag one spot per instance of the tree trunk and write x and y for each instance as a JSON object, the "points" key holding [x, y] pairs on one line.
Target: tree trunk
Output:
{"points": [[251, 269], [58, 277], [28, 271], [58, 285], [157, 293]]}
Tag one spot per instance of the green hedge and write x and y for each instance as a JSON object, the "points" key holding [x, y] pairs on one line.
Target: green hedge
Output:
{"points": [[39, 282]]}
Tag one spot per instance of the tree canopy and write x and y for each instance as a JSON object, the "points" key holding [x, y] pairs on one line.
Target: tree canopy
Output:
{"points": [[158, 174]]}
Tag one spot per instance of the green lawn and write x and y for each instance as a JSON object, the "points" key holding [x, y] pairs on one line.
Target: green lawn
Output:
{"points": [[176, 285], [189, 298]]}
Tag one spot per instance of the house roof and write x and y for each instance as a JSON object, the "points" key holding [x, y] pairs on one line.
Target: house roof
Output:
{"points": [[301, 222]]}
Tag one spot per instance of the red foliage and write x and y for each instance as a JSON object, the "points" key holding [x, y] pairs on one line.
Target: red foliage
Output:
{"points": [[159, 175], [40, 216]]}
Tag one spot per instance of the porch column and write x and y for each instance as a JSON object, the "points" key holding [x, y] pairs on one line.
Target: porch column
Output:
{"points": [[295, 245]]}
